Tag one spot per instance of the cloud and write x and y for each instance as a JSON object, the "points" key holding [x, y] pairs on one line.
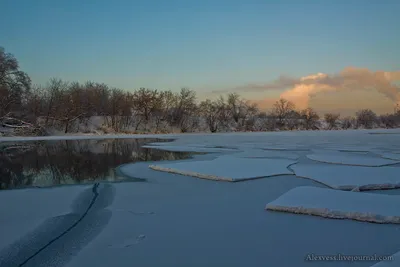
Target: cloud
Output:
{"points": [[282, 82], [302, 90]]}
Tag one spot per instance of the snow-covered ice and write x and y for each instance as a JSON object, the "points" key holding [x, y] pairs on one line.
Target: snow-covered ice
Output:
{"points": [[337, 204], [345, 177], [351, 159], [228, 168], [174, 220]]}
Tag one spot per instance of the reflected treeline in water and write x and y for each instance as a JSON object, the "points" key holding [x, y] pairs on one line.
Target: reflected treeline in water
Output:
{"points": [[49, 163]]}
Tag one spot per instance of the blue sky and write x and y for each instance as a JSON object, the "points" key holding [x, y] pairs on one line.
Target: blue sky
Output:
{"points": [[205, 45]]}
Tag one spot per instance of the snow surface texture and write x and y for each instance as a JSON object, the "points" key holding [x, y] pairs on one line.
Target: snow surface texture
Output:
{"points": [[344, 177], [337, 204], [351, 159], [228, 168]]}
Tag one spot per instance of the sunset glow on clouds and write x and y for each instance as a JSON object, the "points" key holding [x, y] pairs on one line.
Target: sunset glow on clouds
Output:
{"points": [[364, 87]]}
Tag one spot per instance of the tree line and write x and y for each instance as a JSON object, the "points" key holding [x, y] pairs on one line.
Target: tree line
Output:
{"points": [[66, 106]]}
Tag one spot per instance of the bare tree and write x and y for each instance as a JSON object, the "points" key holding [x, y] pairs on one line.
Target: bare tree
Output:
{"points": [[293, 120], [248, 115], [310, 119], [144, 102], [53, 95], [223, 113], [332, 120], [348, 122], [281, 109], [234, 106], [389, 120], [185, 112], [366, 118], [209, 110], [164, 109]]}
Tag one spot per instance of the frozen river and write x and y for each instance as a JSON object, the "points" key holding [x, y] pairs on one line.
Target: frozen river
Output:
{"points": [[224, 211]]}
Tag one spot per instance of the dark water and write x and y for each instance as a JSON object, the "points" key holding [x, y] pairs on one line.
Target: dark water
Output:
{"points": [[52, 163]]}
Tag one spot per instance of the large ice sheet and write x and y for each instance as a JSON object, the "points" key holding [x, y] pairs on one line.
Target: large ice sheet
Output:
{"points": [[228, 168], [350, 177], [351, 159], [337, 204]]}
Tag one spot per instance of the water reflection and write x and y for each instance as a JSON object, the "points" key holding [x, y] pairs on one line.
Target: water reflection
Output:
{"points": [[49, 163]]}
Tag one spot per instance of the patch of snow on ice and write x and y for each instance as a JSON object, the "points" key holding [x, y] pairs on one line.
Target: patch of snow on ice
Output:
{"points": [[350, 177], [228, 168], [350, 159], [337, 204]]}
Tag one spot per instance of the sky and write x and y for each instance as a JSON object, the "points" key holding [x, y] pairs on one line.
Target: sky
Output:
{"points": [[212, 47]]}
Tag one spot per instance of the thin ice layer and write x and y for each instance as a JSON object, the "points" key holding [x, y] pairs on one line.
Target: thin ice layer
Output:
{"points": [[189, 149], [351, 159], [228, 168], [337, 204], [350, 177]]}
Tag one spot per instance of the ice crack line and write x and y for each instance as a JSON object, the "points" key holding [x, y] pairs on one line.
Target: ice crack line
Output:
{"points": [[95, 195]]}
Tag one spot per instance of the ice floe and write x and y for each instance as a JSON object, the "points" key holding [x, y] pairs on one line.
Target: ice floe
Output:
{"points": [[350, 159], [228, 168], [345, 177], [338, 204]]}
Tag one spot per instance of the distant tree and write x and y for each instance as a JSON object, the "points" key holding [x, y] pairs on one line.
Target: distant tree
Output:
{"points": [[281, 110], [116, 107], [249, 116], [53, 96], [145, 102], [388, 120], [310, 119], [366, 118], [348, 122], [332, 120], [185, 112], [224, 116], [293, 119], [234, 106], [210, 111]]}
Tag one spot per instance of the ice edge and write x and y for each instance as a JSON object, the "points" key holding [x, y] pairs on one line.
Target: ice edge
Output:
{"points": [[332, 214]]}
